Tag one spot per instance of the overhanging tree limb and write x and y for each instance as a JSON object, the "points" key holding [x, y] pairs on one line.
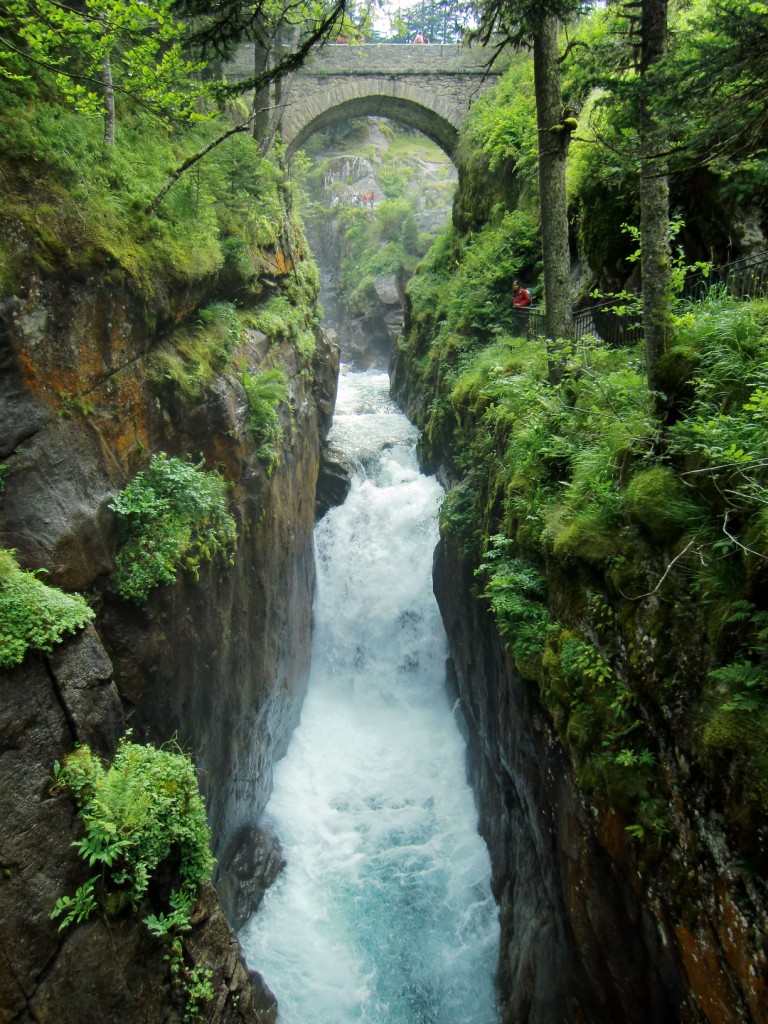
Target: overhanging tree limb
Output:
{"points": [[192, 160], [293, 60]]}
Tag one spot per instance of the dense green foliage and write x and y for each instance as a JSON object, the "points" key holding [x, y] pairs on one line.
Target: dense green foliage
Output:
{"points": [[33, 615], [147, 837], [81, 203], [141, 43], [172, 515], [385, 243], [266, 391], [565, 490]]}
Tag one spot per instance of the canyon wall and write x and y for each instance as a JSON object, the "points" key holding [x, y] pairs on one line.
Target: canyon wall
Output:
{"points": [[218, 665], [600, 921]]}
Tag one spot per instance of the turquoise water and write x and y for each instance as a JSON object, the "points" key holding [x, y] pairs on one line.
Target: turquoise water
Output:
{"points": [[384, 913]]}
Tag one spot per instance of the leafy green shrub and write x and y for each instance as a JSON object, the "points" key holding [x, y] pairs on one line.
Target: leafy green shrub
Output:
{"points": [[172, 516], [146, 834], [32, 614], [265, 392], [142, 814]]}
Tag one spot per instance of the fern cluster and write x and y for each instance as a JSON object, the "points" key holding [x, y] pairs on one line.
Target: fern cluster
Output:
{"points": [[266, 391], [173, 516], [145, 832], [33, 615]]}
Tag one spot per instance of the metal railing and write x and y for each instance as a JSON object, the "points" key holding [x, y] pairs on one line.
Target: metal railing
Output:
{"points": [[746, 278], [613, 322]]}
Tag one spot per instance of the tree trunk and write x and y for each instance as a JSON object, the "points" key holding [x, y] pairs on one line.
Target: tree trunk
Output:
{"points": [[654, 196], [553, 148], [261, 103], [108, 96]]}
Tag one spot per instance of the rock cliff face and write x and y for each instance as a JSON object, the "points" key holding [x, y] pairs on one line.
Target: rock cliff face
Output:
{"points": [[577, 944], [589, 933], [595, 926], [220, 664]]}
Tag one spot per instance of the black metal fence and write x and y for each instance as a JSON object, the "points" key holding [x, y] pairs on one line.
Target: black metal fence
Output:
{"points": [[746, 278], [618, 322]]}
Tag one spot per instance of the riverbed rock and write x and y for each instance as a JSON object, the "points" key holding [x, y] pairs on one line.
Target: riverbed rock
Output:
{"points": [[333, 482]]}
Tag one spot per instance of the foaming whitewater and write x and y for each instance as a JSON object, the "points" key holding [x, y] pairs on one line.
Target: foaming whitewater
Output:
{"points": [[383, 914]]}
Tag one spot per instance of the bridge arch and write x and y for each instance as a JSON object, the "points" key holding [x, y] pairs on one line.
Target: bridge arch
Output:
{"points": [[406, 111], [428, 87]]}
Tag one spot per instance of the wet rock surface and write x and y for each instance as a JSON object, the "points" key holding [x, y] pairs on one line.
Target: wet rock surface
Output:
{"points": [[218, 665], [253, 862], [577, 943], [333, 482]]}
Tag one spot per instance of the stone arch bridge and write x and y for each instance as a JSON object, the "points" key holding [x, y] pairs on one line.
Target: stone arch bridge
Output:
{"points": [[428, 87]]}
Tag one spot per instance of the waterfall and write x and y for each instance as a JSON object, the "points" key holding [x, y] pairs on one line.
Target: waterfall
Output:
{"points": [[383, 914]]}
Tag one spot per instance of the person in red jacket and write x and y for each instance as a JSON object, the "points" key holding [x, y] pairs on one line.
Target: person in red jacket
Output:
{"points": [[521, 297]]}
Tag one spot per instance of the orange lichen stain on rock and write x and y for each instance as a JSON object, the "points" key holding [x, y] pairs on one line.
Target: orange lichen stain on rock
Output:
{"points": [[226, 454], [56, 384], [613, 835], [747, 962], [120, 417], [708, 982], [284, 263], [62, 368]]}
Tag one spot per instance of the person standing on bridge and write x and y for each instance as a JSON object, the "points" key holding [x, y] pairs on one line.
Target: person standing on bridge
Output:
{"points": [[521, 297], [419, 38]]}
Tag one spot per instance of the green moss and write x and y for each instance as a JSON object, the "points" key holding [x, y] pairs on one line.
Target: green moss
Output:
{"points": [[677, 367], [657, 499], [591, 535], [194, 356], [293, 316]]}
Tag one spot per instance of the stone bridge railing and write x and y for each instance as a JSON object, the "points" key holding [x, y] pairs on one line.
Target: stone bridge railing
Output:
{"points": [[378, 59]]}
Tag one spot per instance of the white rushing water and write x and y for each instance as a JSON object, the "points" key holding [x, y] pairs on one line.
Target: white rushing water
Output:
{"points": [[383, 914]]}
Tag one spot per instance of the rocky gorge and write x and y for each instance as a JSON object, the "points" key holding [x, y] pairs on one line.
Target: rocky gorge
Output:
{"points": [[606, 915], [217, 666]]}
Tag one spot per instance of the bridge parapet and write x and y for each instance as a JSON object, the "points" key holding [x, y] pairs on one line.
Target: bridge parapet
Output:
{"points": [[396, 59], [377, 59]]}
